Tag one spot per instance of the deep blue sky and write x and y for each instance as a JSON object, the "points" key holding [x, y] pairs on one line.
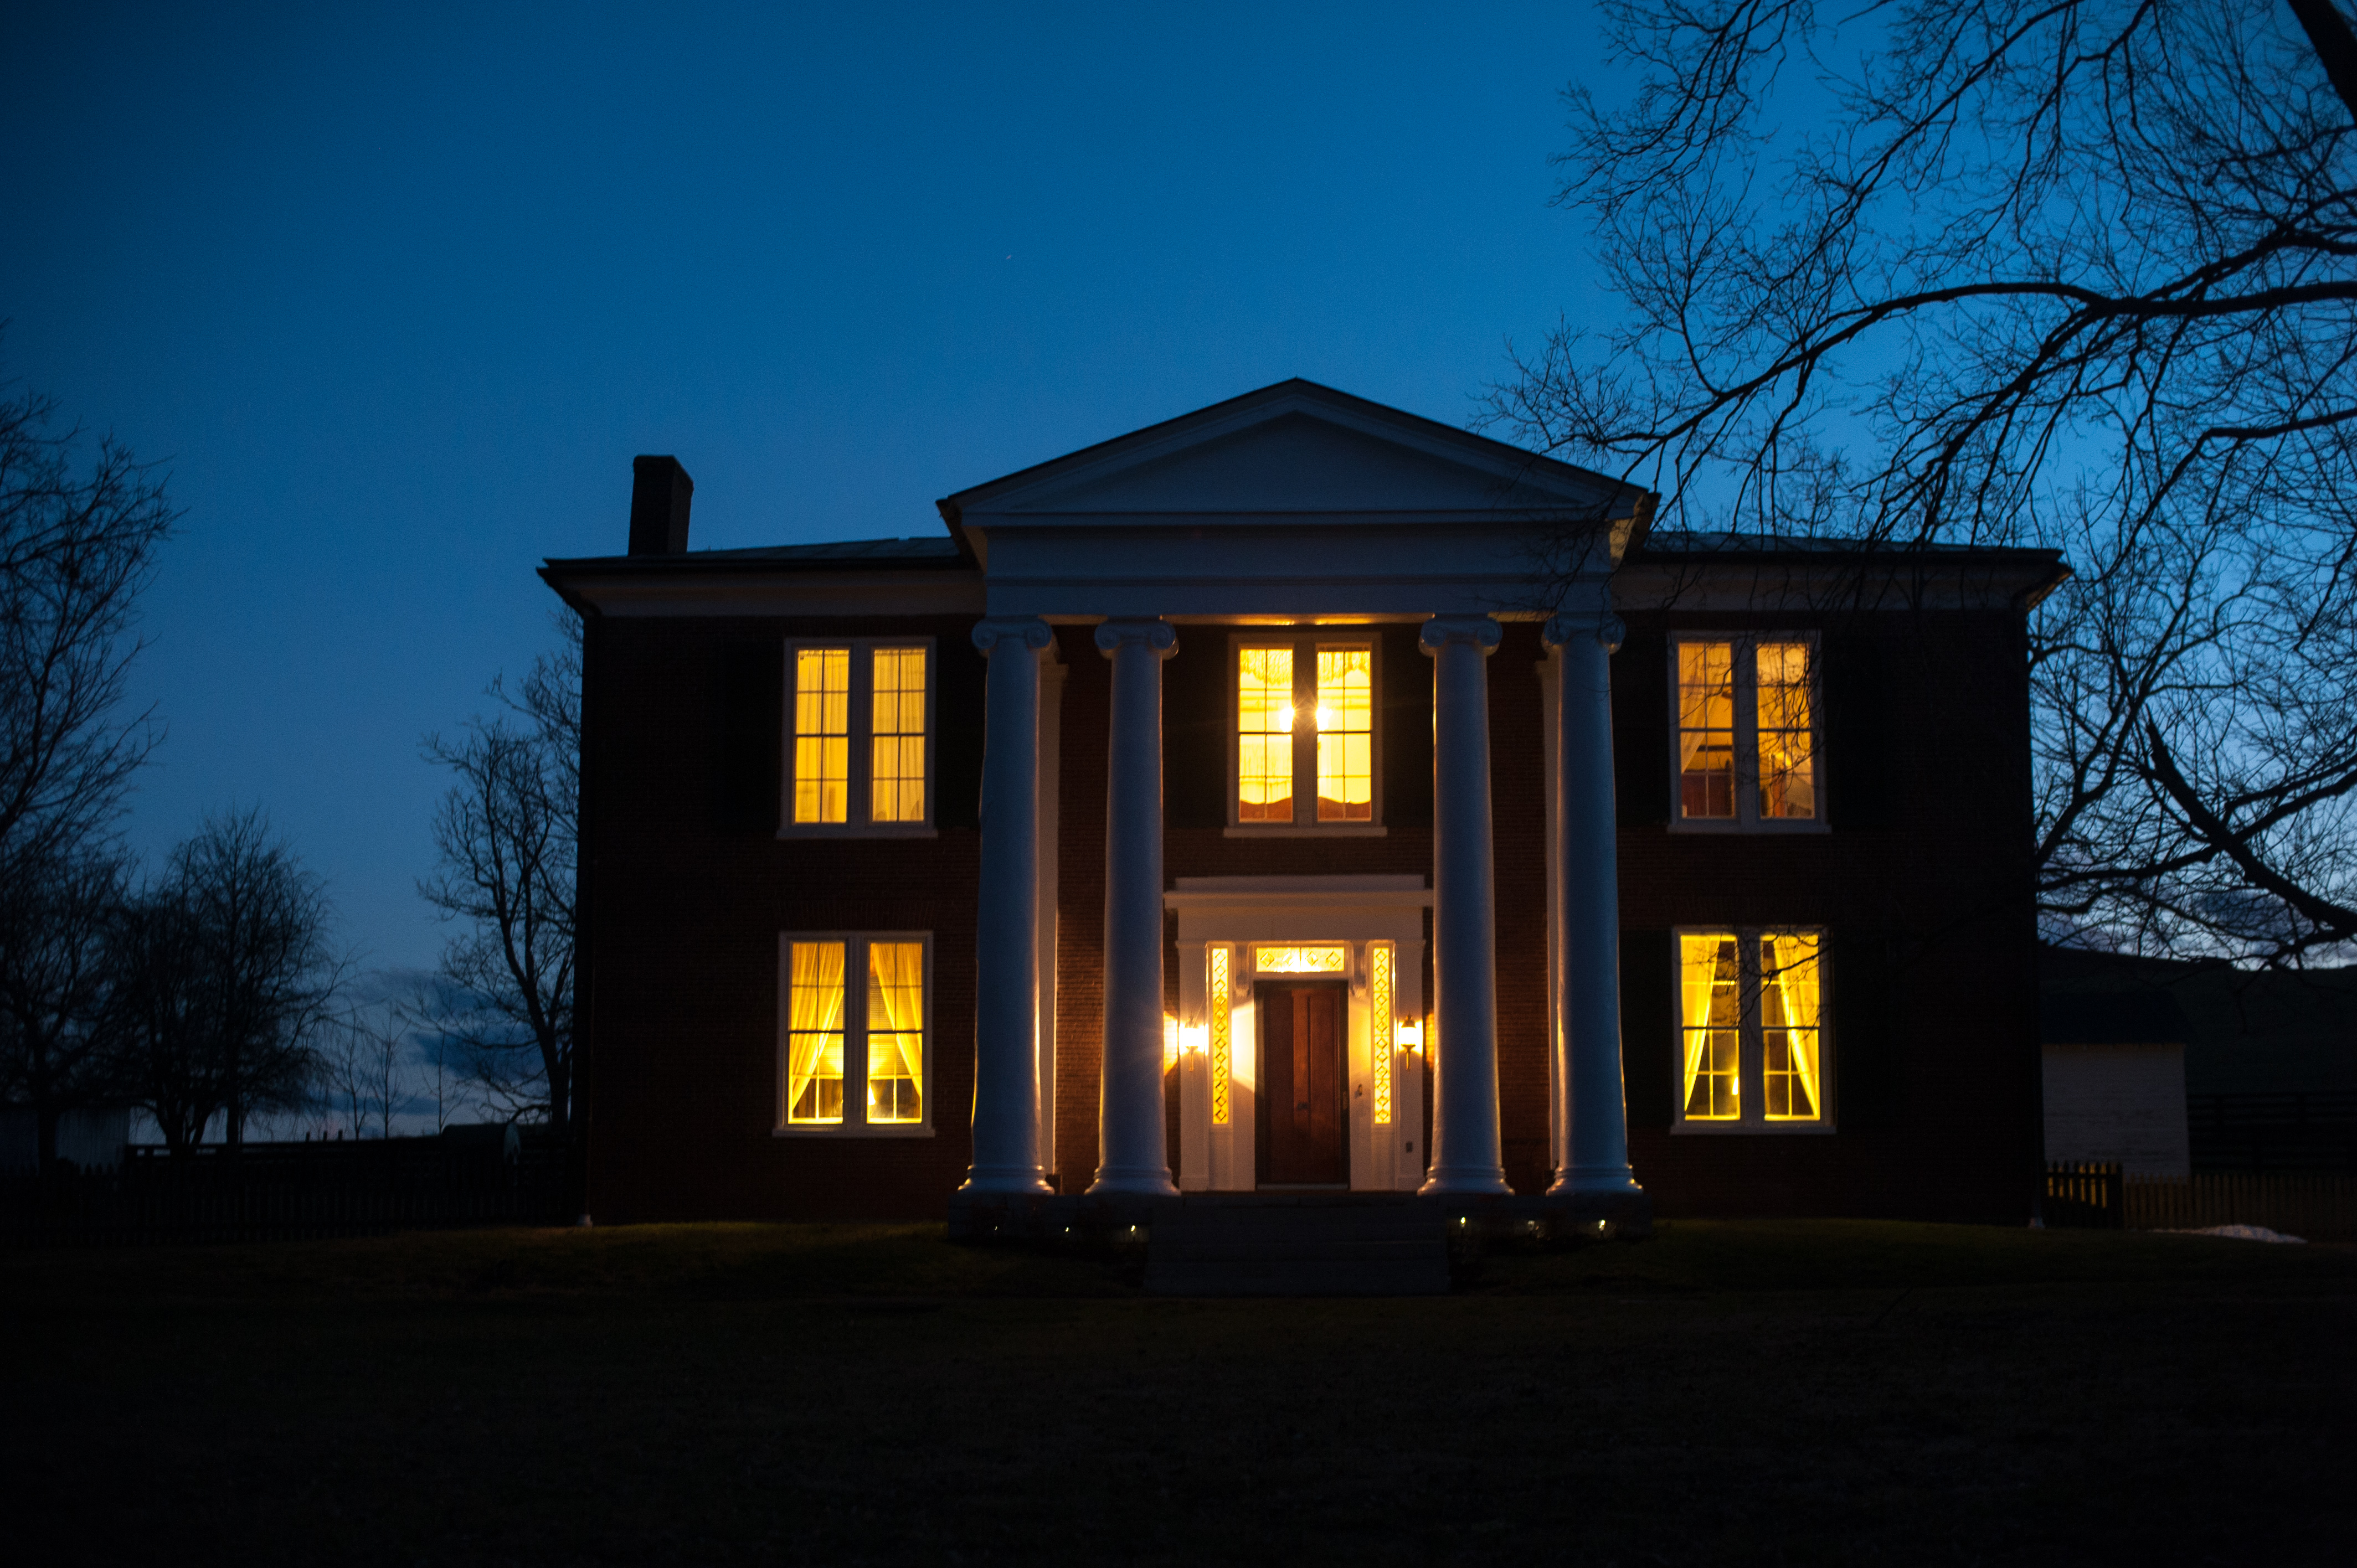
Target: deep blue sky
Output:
{"points": [[399, 295]]}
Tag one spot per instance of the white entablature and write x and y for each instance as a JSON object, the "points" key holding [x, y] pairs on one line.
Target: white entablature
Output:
{"points": [[1294, 501]]}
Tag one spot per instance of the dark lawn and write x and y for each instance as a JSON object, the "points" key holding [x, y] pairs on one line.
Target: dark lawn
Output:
{"points": [[1800, 1393]]}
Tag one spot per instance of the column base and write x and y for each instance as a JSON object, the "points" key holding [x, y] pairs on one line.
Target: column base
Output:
{"points": [[1445, 1182], [1006, 1180], [1596, 1180], [1134, 1181]]}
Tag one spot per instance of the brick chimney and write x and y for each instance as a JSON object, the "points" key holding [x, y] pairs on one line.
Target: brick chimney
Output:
{"points": [[659, 493]]}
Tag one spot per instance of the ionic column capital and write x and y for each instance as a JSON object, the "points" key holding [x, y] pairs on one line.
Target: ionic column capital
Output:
{"points": [[1571, 626], [1157, 637], [1029, 631], [1477, 631]]}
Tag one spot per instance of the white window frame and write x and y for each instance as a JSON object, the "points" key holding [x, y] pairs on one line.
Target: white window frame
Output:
{"points": [[1751, 1054], [860, 734], [1747, 818], [1305, 638], [855, 1123]]}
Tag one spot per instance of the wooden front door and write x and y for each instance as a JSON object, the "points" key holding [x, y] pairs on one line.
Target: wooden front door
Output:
{"points": [[1302, 1093]]}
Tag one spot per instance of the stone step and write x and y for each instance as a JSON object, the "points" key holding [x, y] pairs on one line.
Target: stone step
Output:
{"points": [[1296, 1249]]}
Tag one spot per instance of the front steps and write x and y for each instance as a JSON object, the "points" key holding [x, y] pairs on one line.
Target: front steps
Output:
{"points": [[1260, 1244]]}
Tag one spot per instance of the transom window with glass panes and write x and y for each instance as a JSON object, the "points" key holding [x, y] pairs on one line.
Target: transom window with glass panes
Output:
{"points": [[1751, 1030], [851, 1051], [1305, 735], [860, 753], [1746, 721]]}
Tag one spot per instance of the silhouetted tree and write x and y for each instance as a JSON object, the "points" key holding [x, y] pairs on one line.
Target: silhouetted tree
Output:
{"points": [[55, 912], [76, 544], [221, 982], [361, 1058], [2080, 272], [507, 832]]}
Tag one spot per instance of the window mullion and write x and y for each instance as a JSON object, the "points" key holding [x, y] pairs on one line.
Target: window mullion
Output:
{"points": [[1747, 731], [1305, 735], [1751, 1053], [859, 729], [854, 1040]]}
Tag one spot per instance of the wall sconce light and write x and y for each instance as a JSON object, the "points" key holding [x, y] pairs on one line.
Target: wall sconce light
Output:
{"points": [[1410, 1034], [1194, 1039]]}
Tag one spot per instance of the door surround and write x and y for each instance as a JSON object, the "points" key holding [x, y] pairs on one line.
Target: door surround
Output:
{"points": [[1241, 914]]}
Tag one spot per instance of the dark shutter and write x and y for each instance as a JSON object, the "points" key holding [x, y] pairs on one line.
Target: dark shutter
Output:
{"points": [[1648, 1031], [1641, 729], [1855, 731], [1865, 1052], [1407, 730], [1194, 730], [958, 705], [749, 714]]}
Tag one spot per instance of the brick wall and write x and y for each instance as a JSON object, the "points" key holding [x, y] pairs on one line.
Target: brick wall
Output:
{"points": [[1922, 885]]}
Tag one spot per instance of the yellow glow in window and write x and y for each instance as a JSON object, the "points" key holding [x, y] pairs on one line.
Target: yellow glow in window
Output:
{"points": [[1379, 1012], [895, 1031], [897, 778], [1346, 742], [1705, 729], [822, 734], [1710, 1008], [1788, 1026], [815, 1035], [1222, 1038], [1301, 961], [1264, 735], [1788, 774]]}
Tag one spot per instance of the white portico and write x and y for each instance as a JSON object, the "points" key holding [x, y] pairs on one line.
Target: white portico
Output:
{"points": [[1295, 508]]}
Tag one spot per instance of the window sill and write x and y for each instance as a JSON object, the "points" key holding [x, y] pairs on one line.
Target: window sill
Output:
{"points": [[861, 1130], [1339, 831], [1741, 1129], [1749, 830], [858, 831]]}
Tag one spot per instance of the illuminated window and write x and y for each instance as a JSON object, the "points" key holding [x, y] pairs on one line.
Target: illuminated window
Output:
{"points": [[824, 1086], [1264, 735], [822, 734], [1305, 709], [896, 777], [860, 752], [1750, 1028], [1302, 961], [815, 1035], [1222, 1036], [1746, 716], [1379, 1026]]}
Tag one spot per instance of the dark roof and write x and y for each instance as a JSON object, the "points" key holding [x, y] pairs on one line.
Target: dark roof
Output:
{"points": [[2111, 1018], [876, 555]]}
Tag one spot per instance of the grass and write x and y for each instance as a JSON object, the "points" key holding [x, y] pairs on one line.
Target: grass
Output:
{"points": [[1774, 1392]]}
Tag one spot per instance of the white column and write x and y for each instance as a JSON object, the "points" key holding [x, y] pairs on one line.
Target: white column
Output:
{"points": [[1131, 1158], [1465, 1144], [1592, 1111], [1005, 1026]]}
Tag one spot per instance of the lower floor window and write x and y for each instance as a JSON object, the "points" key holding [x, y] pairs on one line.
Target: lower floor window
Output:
{"points": [[852, 1048], [1750, 1028]]}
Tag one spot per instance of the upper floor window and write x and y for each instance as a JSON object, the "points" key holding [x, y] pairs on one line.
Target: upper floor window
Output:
{"points": [[1750, 1030], [1747, 730], [1305, 714], [860, 755], [852, 1053]]}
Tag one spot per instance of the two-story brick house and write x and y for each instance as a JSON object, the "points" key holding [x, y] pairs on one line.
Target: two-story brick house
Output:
{"points": [[1301, 795]]}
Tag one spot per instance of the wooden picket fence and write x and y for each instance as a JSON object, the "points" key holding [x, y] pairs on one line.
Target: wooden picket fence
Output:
{"points": [[2082, 1195], [2314, 1206]]}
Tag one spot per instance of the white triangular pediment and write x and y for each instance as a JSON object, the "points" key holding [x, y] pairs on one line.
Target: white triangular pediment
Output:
{"points": [[1295, 450]]}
